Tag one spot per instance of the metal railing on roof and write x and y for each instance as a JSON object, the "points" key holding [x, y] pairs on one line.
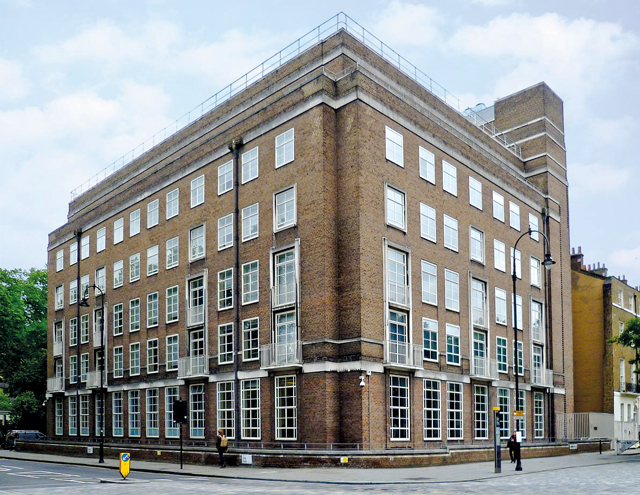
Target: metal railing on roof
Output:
{"points": [[321, 32]]}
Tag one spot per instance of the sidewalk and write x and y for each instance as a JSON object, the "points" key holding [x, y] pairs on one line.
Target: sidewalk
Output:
{"points": [[440, 474]]}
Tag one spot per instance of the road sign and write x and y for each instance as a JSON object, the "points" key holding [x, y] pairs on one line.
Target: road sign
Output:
{"points": [[125, 457], [518, 413]]}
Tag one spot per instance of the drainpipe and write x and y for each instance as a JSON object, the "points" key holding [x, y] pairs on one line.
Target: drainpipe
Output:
{"points": [[235, 147], [78, 234]]}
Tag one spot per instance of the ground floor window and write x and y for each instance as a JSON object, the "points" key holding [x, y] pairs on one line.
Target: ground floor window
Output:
{"points": [[399, 407], [505, 417], [117, 414], [454, 411], [196, 411], [538, 415], [134, 413], [73, 416], [98, 411], [172, 430], [431, 410], [59, 418], [84, 415], [251, 409], [286, 408], [226, 408], [523, 408], [480, 412], [152, 426]]}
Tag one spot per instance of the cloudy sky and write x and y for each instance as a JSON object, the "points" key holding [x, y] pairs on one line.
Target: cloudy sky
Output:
{"points": [[82, 83]]}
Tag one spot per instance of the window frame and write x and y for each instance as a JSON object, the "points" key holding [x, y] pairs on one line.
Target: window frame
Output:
{"points": [[475, 193], [281, 158], [172, 252], [498, 206], [514, 216], [431, 282], [430, 339], [249, 161], [391, 207], [394, 146], [474, 244], [450, 284], [245, 273], [201, 243], [134, 222], [153, 213], [225, 232], [249, 219], [428, 223], [449, 178], [172, 204], [450, 228], [153, 252], [399, 408], [197, 191], [101, 239], [225, 183], [427, 165], [225, 301], [277, 227]]}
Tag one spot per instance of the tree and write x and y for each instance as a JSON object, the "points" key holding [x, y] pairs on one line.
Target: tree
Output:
{"points": [[630, 337]]}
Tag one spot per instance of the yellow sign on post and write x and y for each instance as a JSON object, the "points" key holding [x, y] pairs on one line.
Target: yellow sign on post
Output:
{"points": [[518, 413], [124, 464]]}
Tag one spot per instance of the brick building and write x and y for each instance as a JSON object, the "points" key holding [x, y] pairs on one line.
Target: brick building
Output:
{"points": [[322, 258]]}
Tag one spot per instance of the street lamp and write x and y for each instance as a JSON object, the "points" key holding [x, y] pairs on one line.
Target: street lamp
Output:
{"points": [[548, 263], [85, 304]]}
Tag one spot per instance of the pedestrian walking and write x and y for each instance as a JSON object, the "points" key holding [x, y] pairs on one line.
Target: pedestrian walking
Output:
{"points": [[221, 445], [511, 445]]}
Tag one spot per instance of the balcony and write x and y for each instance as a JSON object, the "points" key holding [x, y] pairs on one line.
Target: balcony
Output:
{"points": [[482, 367], [402, 354], [632, 388], [93, 379], [193, 366], [57, 348], [542, 378], [286, 355], [55, 384], [195, 316], [96, 338]]}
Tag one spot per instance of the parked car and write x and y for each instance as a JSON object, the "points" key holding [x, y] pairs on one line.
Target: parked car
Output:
{"points": [[14, 435]]}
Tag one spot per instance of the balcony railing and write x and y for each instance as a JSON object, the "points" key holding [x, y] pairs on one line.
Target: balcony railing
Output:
{"points": [[93, 379], [55, 384], [403, 354], [281, 355], [484, 368], [192, 366], [542, 377], [57, 348], [633, 388], [96, 338], [283, 295], [195, 316]]}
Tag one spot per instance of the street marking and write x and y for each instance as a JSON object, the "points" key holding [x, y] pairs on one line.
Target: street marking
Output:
{"points": [[23, 475], [12, 467]]}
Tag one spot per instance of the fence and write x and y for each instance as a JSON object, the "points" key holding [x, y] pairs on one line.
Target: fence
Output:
{"points": [[583, 426]]}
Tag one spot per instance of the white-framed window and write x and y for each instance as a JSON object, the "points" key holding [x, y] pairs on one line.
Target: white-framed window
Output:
{"points": [[84, 367], [152, 260], [454, 411], [101, 281], [620, 298], [250, 339], [478, 302], [117, 422], [171, 428], [250, 282], [504, 402], [250, 409], [396, 204], [153, 422], [285, 278], [514, 215], [134, 359], [173, 352], [480, 412], [449, 178], [518, 311], [535, 271], [84, 247], [250, 222], [84, 415], [398, 337], [152, 213], [153, 356], [84, 329], [101, 239], [518, 256], [59, 297], [450, 233], [520, 357], [537, 364], [429, 283], [284, 209], [477, 245], [226, 408], [197, 191], [172, 247], [502, 358], [118, 274], [250, 165], [172, 304], [173, 203], [134, 267], [225, 289], [60, 260], [225, 177], [498, 206], [533, 225], [398, 279], [73, 369], [73, 416], [399, 408], [523, 408], [196, 411], [452, 290], [499, 255], [58, 329], [59, 416], [475, 193], [73, 332], [538, 415], [430, 339], [118, 230], [197, 243], [501, 306], [134, 413], [134, 222], [394, 146], [225, 343], [427, 222], [453, 344], [284, 148], [118, 319], [536, 322], [152, 310], [286, 400], [134, 315], [431, 410], [195, 308], [225, 232], [73, 291], [73, 253], [427, 165]]}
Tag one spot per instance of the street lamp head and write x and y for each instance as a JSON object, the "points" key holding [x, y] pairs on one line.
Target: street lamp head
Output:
{"points": [[548, 261], [84, 303]]}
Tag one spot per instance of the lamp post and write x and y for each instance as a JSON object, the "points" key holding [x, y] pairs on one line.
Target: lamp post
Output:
{"points": [[85, 304], [548, 263]]}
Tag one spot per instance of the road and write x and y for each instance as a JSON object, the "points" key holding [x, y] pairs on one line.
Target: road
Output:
{"points": [[35, 478]]}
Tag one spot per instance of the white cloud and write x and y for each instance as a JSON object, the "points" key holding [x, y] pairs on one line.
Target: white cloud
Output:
{"points": [[13, 84], [408, 25], [492, 3], [587, 179]]}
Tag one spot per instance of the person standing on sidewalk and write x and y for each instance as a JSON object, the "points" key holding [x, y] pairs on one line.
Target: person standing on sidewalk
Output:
{"points": [[511, 445], [221, 445]]}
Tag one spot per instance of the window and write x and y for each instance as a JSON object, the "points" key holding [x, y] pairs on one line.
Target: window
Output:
{"points": [[520, 358], [196, 243], [101, 239], [101, 282], [172, 248], [286, 338], [478, 303], [73, 369], [250, 165], [73, 291], [522, 419], [451, 292], [73, 416], [501, 355], [173, 205], [73, 331], [535, 271], [533, 225], [84, 247], [250, 222], [394, 146], [60, 260], [517, 324], [536, 321], [134, 315], [499, 254], [450, 233], [225, 177], [398, 338], [152, 260], [427, 165], [480, 412], [514, 215], [171, 429], [518, 263], [284, 209], [58, 328], [395, 208], [226, 408], [134, 267], [152, 356], [250, 282], [225, 289], [117, 414], [118, 230], [84, 366], [449, 178], [134, 222], [152, 424], [398, 277], [285, 278], [431, 410], [117, 362], [477, 245], [286, 408], [225, 343], [59, 417], [84, 415], [73, 253], [134, 413], [619, 298], [430, 339], [454, 411], [538, 415], [172, 304], [152, 213], [250, 409], [118, 273], [59, 297], [427, 222], [84, 329], [250, 339], [475, 193], [429, 283], [225, 232], [117, 319], [453, 344], [152, 310], [173, 350], [198, 360], [195, 310], [284, 148], [134, 359], [501, 306], [504, 400], [399, 413], [537, 363], [197, 191], [498, 206]]}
